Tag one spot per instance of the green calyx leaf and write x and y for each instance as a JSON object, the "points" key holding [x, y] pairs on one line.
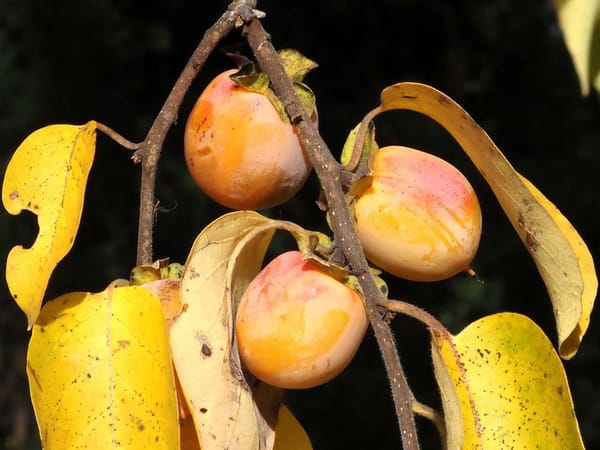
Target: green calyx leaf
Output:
{"points": [[356, 157], [159, 270], [296, 66], [249, 78], [352, 282]]}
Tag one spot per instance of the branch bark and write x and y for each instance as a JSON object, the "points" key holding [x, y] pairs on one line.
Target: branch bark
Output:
{"points": [[327, 168], [149, 152], [329, 172]]}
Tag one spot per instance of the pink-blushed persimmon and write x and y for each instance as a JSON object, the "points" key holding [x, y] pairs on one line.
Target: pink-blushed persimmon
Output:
{"points": [[420, 218], [239, 149], [296, 326]]}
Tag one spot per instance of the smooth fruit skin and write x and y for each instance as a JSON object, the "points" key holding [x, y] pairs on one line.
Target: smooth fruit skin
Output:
{"points": [[296, 326], [420, 218], [239, 150]]}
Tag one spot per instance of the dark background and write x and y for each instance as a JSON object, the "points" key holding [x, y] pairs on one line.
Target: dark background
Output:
{"points": [[115, 61]]}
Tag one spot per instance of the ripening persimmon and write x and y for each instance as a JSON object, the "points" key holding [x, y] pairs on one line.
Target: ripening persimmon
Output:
{"points": [[420, 218], [239, 149], [296, 326]]}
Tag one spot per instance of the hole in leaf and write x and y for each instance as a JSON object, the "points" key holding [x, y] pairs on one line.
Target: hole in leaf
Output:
{"points": [[26, 229]]}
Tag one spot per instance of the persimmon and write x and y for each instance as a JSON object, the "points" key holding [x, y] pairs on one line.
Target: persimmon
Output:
{"points": [[419, 218], [296, 326], [240, 150]]}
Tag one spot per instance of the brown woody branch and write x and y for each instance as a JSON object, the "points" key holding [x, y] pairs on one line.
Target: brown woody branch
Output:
{"points": [[149, 151], [329, 172], [327, 168]]}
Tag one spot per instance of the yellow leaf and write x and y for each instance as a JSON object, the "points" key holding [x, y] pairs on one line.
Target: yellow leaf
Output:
{"points": [[578, 19], [289, 434], [218, 397], [100, 372], [503, 386], [225, 257], [47, 175], [560, 254]]}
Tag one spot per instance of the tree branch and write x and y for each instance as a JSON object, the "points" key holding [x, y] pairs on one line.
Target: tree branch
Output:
{"points": [[149, 151], [329, 172]]}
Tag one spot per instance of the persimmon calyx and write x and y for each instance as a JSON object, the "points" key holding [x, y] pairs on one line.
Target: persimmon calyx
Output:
{"points": [[296, 65]]}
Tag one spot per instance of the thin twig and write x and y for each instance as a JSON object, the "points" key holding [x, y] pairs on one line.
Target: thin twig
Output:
{"points": [[119, 139], [329, 173], [360, 139], [149, 152]]}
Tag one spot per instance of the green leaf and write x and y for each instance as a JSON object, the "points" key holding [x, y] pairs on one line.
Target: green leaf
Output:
{"points": [[296, 65], [503, 386]]}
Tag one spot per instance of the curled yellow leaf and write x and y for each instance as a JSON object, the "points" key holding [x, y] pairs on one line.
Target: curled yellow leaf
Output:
{"points": [[46, 175], [217, 395], [100, 372], [225, 257], [560, 254], [503, 386]]}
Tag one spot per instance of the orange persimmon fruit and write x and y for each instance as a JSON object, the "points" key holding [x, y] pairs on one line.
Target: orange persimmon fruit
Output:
{"points": [[296, 326], [419, 219], [239, 149]]}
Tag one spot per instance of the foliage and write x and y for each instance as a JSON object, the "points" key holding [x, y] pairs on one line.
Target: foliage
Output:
{"points": [[579, 20]]}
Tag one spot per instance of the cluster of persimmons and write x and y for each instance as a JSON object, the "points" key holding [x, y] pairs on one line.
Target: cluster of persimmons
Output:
{"points": [[417, 217]]}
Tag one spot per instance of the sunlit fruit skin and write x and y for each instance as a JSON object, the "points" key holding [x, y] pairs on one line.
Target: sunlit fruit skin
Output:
{"points": [[239, 150], [420, 218], [296, 326]]}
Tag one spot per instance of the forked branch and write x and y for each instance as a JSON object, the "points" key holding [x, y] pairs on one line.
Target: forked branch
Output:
{"points": [[329, 173], [149, 151]]}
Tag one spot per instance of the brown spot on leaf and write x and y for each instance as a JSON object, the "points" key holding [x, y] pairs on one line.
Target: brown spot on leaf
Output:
{"points": [[521, 221], [531, 242], [206, 351], [443, 100], [13, 195], [137, 422]]}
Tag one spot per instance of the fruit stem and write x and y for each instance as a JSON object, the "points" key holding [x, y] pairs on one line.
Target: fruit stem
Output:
{"points": [[329, 173], [148, 152], [408, 309], [432, 415], [359, 143]]}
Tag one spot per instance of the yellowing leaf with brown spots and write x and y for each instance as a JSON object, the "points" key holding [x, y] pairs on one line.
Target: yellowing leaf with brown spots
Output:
{"points": [[46, 175], [228, 411], [100, 372], [561, 256], [504, 386], [218, 397]]}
